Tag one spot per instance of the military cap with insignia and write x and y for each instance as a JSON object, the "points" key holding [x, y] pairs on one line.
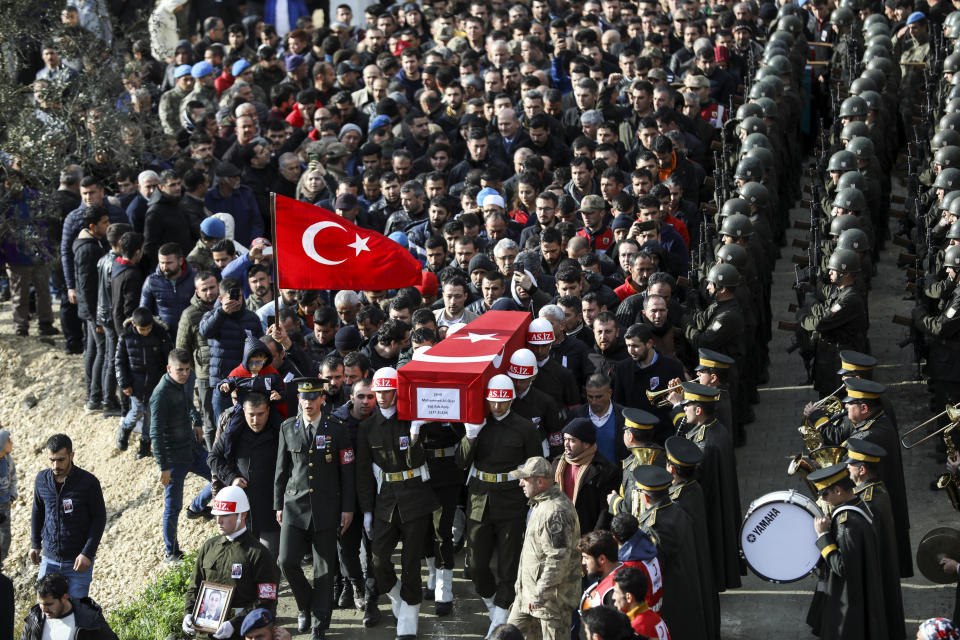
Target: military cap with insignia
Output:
{"points": [[696, 392], [310, 388], [860, 451], [710, 359], [639, 419], [682, 452], [860, 390], [828, 476], [652, 479], [856, 363]]}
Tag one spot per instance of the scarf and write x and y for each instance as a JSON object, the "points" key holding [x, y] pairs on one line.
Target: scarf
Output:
{"points": [[583, 461], [665, 173]]}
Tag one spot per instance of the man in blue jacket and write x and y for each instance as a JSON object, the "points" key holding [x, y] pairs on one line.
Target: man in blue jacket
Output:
{"points": [[68, 518], [229, 196], [168, 290]]}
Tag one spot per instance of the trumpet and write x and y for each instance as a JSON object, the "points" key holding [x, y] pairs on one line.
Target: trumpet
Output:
{"points": [[659, 398], [953, 415]]}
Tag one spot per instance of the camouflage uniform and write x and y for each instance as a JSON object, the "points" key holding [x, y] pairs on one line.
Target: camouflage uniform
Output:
{"points": [[170, 103]]}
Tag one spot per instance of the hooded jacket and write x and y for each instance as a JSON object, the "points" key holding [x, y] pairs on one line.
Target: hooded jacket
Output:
{"points": [[166, 222], [91, 625], [226, 334], [87, 251], [267, 380], [141, 360]]}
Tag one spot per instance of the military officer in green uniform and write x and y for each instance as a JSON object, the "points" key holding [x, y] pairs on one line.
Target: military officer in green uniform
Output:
{"points": [[314, 496], [863, 458], [397, 502], [638, 430], [496, 506], [234, 558]]}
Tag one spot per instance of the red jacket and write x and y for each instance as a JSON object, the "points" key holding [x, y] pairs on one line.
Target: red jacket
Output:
{"points": [[648, 623]]}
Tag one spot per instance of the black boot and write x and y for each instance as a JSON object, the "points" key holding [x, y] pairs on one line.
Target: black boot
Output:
{"points": [[371, 612], [123, 438], [358, 598], [345, 599], [144, 450], [338, 591]]}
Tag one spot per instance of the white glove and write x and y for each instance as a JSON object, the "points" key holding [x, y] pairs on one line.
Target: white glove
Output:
{"points": [[415, 427], [187, 625], [473, 430], [368, 524], [224, 631]]}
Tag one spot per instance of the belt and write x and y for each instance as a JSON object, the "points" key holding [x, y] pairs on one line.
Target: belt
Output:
{"points": [[400, 476], [441, 453], [483, 476]]}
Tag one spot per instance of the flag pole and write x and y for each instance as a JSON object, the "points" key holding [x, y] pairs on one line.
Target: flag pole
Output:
{"points": [[276, 259]]}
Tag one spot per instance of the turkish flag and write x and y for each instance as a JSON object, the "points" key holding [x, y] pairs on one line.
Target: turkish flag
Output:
{"points": [[317, 249]]}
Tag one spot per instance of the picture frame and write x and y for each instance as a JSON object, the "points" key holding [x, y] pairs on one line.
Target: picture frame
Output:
{"points": [[212, 607]]}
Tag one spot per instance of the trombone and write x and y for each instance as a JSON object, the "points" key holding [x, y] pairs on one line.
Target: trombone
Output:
{"points": [[659, 398], [953, 414]]}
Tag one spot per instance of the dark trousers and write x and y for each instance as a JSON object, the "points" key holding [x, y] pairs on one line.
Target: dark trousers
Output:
{"points": [[109, 376], [386, 535], [500, 536], [70, 323], [93, 363], [205, 400], [356, 557], [439, 542], [294, 543]]}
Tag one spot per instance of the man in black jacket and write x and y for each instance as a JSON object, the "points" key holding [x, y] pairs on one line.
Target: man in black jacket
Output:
{"points": [[81, 616], [166, 221], [585, 475], [88, 248]]}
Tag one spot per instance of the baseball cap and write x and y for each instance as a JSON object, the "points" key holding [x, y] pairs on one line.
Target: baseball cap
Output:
{"points": [[345, 201], [345, 67], [293, 62], [201, 69], [337, 150], [182, 70], [213, 227], [592, 203], [239, 67], [536, 466]]}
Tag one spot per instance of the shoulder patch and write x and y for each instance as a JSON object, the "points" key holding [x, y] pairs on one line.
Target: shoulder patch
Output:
{"points": [[716, 325], [842, 517], [836, 307], [556, 530]]}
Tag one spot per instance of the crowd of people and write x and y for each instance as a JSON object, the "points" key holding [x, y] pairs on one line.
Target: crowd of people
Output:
{"points": [[622, 172]]}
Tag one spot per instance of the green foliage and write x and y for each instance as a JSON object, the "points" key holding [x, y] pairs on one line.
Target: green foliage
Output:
{"points": [[158, 611]]}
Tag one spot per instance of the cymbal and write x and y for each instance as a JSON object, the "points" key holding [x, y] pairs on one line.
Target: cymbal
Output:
{"points": [[936, 544]]}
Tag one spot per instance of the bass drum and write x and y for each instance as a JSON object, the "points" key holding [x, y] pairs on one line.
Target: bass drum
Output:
{"points": [[777, 537]]}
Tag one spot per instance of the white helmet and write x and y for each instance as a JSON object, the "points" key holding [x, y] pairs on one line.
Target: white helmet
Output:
{"points": [[385, 379], [523, 365], [540, 331], [230, 500], [500, 388]]}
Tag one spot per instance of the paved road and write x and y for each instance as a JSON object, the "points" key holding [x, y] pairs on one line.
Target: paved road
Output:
{"points": [[762, 609]]}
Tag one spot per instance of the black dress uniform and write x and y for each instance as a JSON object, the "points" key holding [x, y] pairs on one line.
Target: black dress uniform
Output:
{"points": [[860, 365], [314, 484], [672, 531], [641, 425], [718, 477], [496, 506], [840, 322], [875, 498], [720, 364], [558, 383], [852, 607], [395, 491], [440, 441], [543, 411], [942, 335], [242, 563]]}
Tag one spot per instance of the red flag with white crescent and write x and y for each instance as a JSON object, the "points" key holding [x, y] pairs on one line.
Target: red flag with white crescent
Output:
{"points": [[317, 249]]}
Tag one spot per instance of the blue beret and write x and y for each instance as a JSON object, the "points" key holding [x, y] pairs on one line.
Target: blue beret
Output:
{"points": [[377, 122], [213, 227], [239, 67], [182, 70], [916, 16], [256, 619], [201, 69]]}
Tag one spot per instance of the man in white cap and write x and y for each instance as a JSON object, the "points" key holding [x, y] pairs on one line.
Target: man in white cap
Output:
{"points": [[552, 378], [397, 502], [496, 507], [234, 558], [533, 404]]}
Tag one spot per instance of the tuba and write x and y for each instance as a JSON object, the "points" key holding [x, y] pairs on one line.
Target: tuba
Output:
{"points": [[817, 456], [646, 455]]}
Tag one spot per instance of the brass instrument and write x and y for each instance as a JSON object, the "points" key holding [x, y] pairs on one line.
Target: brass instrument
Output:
{"points": [[659, 398], [646, 455], [948, 481], [953, 415], [817, 456]]}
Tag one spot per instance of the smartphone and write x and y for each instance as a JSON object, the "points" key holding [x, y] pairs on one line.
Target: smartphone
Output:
{"points": [[271, 320]]}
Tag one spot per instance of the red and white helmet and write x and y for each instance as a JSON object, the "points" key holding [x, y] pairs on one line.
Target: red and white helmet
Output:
{"points": [[230, 500], [500, 389], [385, 379], [540, 331], [523, 365]]}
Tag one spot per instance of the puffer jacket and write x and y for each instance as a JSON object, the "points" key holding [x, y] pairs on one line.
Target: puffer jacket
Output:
{"points": [[87, 251], [168, 298], [189, 338], [141, 360], [91, 625], [165, 222], [226, 334], [172, 419]]}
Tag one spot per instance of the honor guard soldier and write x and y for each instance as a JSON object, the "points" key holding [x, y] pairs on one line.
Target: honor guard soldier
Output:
{"points": [[942, 335], [397, 502], [839, 322], [713, 369], [851, 604], [638, 430], [496, 506], [440, 441], [552, 378], [862, 460], [683, 456], [314, 496], [695, 420], [533, 404], [234, 558], [672, 530]]}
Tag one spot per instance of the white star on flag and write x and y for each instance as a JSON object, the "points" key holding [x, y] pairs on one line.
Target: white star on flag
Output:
{"points": [[477, 337], [360, 244]]}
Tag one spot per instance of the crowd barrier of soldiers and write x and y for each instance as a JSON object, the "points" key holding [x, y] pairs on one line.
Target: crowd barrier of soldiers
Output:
{"points": [[621, 173]]}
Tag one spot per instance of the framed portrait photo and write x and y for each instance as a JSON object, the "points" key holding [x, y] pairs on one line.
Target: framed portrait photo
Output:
{"points": [[212, 607]]}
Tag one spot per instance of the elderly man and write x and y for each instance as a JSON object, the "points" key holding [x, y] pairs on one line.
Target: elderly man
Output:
{"points": [[548, 578]]}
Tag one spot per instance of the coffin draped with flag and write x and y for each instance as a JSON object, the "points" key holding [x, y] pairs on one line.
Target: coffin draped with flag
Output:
{"points": [[448, 381], [317, 249]]}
